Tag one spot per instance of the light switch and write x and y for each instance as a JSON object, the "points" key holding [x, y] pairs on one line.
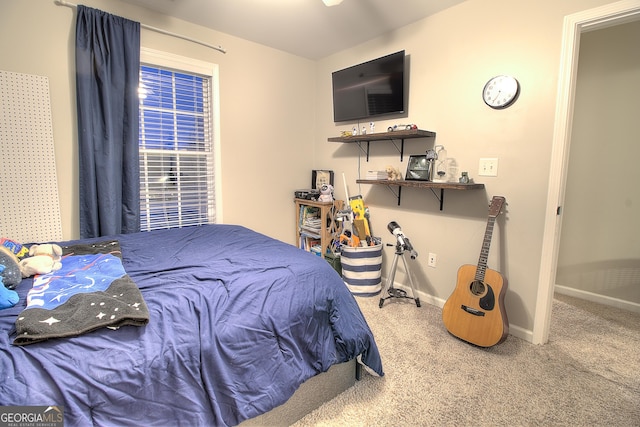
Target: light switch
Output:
{"points": [[488, 167]]}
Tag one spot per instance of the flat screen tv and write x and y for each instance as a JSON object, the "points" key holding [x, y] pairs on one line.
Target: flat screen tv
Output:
{"points": [[370, 89]]}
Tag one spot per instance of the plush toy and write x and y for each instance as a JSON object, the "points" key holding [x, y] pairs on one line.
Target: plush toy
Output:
{"points": [[42, 259], [393, 174], [8, 298], [10, 274], [326, 193]]}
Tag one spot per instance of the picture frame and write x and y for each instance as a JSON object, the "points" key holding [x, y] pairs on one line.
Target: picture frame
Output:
{"points": [[320, 177], [419, 168]]}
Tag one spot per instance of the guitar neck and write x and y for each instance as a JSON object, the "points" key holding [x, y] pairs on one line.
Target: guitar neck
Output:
{"points": [[484, 252]]}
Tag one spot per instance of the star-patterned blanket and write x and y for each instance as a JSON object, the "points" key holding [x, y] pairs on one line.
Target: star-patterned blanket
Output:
{"points": [[91, 290]]}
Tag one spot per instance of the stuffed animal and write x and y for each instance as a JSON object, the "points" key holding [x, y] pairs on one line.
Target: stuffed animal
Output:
{"points": [[393, 174], [326, 193], [42, 259]]}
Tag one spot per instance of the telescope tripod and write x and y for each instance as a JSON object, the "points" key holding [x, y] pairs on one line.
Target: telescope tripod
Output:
{"points": [[389, 289]]}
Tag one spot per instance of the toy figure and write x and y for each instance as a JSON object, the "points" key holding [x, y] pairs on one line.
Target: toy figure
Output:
{"points": [[326, 193]]}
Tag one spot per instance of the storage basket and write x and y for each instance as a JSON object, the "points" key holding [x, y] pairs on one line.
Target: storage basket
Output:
{"points": [[362, 269]]}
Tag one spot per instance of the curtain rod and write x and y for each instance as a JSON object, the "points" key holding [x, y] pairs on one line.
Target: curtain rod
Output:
{"points": [[158, 30]]}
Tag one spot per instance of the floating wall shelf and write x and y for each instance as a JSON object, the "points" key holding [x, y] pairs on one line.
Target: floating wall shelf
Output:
{"points": [[433, 186], [385, 136]]}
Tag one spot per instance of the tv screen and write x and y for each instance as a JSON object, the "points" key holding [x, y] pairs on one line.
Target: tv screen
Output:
{"points": [[370, 89]]}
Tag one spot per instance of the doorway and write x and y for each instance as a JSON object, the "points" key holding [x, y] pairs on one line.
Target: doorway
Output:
{"points": [[599, 253], [574, 26]]}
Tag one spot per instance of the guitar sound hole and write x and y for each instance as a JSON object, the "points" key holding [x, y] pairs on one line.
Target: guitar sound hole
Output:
{"points": [[477, 287]]}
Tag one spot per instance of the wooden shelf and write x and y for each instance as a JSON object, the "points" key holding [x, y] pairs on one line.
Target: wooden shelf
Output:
{"points": [[422, 184], [329, 226], [381, 136], [385, 136]]}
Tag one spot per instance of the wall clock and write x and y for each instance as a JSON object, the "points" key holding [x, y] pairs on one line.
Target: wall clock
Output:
{"points": [[501, 91]]}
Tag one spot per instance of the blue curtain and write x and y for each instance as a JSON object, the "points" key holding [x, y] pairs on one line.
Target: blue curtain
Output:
{"points": [[107, 74]]}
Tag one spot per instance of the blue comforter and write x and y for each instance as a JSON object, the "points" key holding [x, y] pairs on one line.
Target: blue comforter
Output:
{"points": [[237, 321]]}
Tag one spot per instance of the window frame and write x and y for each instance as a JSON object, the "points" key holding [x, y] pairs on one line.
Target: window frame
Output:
{"points": [[155, 58]]}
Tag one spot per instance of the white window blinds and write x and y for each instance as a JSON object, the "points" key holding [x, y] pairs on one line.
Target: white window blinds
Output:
{"points": [[176, 154]]}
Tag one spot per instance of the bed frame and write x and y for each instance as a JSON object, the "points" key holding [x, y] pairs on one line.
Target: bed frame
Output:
{"points": [[310, 395]]}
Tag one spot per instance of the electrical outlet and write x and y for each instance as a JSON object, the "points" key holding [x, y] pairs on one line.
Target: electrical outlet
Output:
{"points": [[432, 260], [488, 167]]}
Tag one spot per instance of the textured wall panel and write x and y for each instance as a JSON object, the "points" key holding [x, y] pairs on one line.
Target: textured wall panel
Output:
{"points": [[30, 209]]}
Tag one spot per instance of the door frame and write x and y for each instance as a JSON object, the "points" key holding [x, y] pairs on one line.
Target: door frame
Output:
{"points": [[574, 25]]}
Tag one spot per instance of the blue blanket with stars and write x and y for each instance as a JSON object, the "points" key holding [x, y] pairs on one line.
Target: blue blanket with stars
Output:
{"points": [[91, 291]]}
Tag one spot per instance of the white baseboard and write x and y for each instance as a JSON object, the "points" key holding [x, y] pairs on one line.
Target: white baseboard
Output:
{"points": [[514, 330], [601, 299], [527, 334]]}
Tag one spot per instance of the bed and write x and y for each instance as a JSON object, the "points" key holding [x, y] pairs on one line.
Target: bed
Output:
{"points": [[230, 324]]}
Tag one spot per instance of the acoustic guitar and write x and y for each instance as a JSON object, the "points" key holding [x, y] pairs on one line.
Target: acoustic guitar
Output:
{"points": [[475, 310]]}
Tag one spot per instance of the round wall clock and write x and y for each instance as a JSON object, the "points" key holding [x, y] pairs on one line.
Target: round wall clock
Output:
{"points": [[501, 91]]}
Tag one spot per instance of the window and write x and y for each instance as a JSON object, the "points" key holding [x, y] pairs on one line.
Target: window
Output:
{"points": [[177, 164]]}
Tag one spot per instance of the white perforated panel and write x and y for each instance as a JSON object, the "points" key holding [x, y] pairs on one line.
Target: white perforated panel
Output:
{"points": [[28, 182]]}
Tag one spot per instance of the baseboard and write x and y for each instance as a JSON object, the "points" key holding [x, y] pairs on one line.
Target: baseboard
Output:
{"points": [[514, 330], [601, 299], [527, 334]]}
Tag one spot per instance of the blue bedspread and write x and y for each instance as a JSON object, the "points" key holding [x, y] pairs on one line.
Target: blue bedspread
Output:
{"points": [[237, 321]]}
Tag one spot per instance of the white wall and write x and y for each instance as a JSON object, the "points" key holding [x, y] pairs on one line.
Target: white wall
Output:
{"points": [[452, 55], [266, 97]]}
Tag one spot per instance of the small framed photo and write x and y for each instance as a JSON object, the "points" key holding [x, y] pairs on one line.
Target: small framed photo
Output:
{"points": [[418, 169], [320, 177]]}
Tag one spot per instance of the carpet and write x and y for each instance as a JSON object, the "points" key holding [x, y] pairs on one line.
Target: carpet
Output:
{"points": [[587, 375]]}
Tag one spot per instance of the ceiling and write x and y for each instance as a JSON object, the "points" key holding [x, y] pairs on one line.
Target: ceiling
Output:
{"points": [[305, 28]]}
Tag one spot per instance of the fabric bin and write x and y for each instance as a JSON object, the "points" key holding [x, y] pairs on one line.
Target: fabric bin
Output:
{"points": [[362, 269]]}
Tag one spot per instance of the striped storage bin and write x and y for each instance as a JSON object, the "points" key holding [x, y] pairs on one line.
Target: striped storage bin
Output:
{"points": [[362, 269]]}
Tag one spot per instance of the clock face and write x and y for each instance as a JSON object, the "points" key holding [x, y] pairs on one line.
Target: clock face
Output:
{"points": [[501, 92]]}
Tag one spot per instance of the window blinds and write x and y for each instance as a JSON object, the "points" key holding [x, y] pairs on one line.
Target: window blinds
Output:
{"points": [[176, 157]]}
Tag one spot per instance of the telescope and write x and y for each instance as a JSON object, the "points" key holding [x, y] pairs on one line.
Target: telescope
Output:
{"points": [[403, 241], [403, 244]]}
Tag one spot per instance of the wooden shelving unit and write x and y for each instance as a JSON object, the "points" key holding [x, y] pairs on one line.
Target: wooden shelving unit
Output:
{"points": [[433, 186], [385, 136], [328, 227]]}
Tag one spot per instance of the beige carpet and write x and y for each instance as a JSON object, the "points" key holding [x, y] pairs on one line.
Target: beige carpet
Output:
{"points": [[587, 375]]}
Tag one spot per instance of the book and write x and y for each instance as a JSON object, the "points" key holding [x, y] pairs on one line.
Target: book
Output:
{"points": [[377, 175]]}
